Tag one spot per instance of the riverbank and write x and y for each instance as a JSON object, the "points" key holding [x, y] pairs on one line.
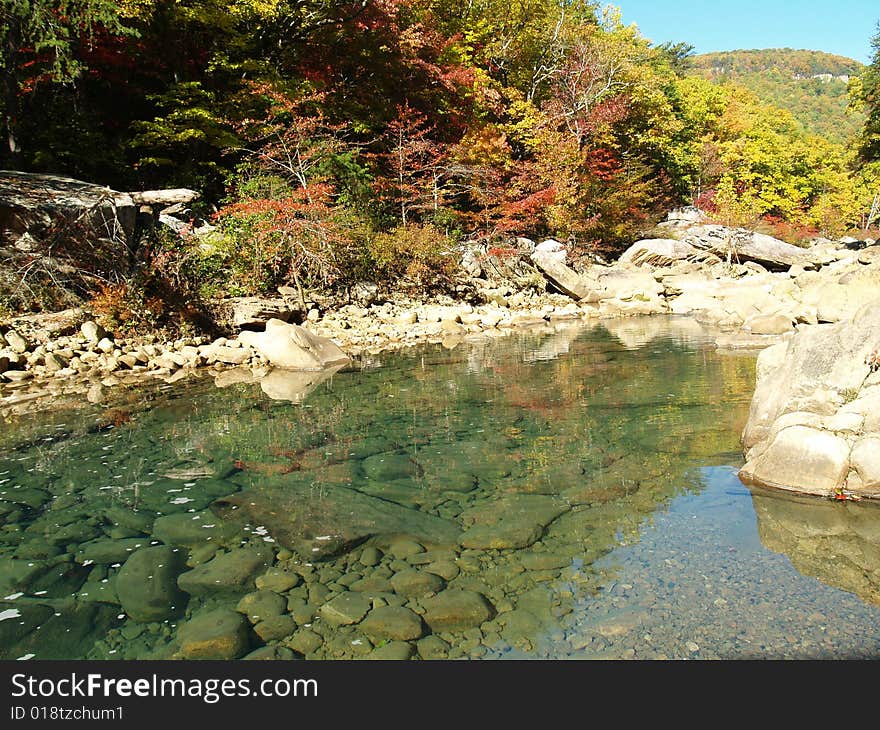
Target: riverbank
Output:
{"points": [[68, 356]]}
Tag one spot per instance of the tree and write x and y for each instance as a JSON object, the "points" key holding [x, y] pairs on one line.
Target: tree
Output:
{"points": [[868, 94], [40, 41], [414, 162]]}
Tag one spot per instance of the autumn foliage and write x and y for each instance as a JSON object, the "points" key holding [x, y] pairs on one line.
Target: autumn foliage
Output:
{"points": [[342, 140]]}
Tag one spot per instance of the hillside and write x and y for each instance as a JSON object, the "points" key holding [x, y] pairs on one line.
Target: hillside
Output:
{"points": [[812, 85]]}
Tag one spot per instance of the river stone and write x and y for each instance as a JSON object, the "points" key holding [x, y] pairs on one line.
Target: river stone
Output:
{"points": [[803, 459], [370, 556], [390, 466], [305, 641], [17, 343], [372, 584], [275, 628], [22, 619], [147, 584], [392, 651], [456, 610], [278, 580], [228, 573], [446, 569], [17, 574], [69, 632], [403, 549], [106, 552], [137, 521], [28, 496], [319, 524], [347, 608], [432, 647], [514, 534], [261, 605], [99, 590], [414, 583], [92, 331], [544, 561], [769, 324], [519, 624], [191, 529], [217, 634], [396, 623]]}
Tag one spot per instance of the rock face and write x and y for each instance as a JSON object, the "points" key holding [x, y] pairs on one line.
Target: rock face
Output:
{"points": [[71, 234], [291, 346], [814, 422], [30, 203]]}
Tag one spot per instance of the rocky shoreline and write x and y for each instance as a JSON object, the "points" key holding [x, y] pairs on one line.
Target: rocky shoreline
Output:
{"points": [[751, 305]]}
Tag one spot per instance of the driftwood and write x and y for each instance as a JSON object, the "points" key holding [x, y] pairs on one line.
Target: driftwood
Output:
{"points": [[665, 252], [164, 197], [742, 245]]}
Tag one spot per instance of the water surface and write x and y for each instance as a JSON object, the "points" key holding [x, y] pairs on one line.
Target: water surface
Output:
{"points": [[581, 480]]}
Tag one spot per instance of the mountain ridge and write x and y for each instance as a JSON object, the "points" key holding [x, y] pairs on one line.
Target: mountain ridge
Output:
{"points": [[812, 85]]}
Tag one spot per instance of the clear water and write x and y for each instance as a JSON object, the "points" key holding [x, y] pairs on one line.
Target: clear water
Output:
{"points": [[582, 480]]}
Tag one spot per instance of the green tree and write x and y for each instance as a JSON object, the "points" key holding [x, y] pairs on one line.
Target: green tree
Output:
{"points": [[40, 41]]}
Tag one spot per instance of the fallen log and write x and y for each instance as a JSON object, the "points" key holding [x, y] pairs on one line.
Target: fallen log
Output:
{"points": [[168, 197]]}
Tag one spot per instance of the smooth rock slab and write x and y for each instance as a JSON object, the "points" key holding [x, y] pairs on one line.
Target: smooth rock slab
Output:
{"points": [[291, 346], [456, 610], [415, 583], [803, 459], [217, 634], [396, 623]]}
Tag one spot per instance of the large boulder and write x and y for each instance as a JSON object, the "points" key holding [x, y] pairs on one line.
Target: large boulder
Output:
{"points": [[813, 423], [291, 346], [60, 239], [743, 245], [31, 204], [562, 277]]}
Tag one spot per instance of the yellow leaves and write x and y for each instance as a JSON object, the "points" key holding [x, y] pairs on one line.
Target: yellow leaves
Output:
{"points": [[483, 147]]}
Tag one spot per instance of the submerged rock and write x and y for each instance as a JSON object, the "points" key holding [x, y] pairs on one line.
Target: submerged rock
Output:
{"points": [[228, 573], [147, 584], [217, 634], [395, 623], [456, 610], [319, 522]]}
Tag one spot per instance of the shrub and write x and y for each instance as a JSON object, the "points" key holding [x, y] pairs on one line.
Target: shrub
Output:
{"points": [[414, 257]]}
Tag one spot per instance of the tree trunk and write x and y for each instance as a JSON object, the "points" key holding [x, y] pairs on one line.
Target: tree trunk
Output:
{"points": [[12, 41]]}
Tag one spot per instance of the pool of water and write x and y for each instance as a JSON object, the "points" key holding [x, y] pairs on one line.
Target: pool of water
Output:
{"points": [[569, 492]]}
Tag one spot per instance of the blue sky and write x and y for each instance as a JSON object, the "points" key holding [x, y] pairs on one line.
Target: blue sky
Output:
{"points": [[844, 27]]}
